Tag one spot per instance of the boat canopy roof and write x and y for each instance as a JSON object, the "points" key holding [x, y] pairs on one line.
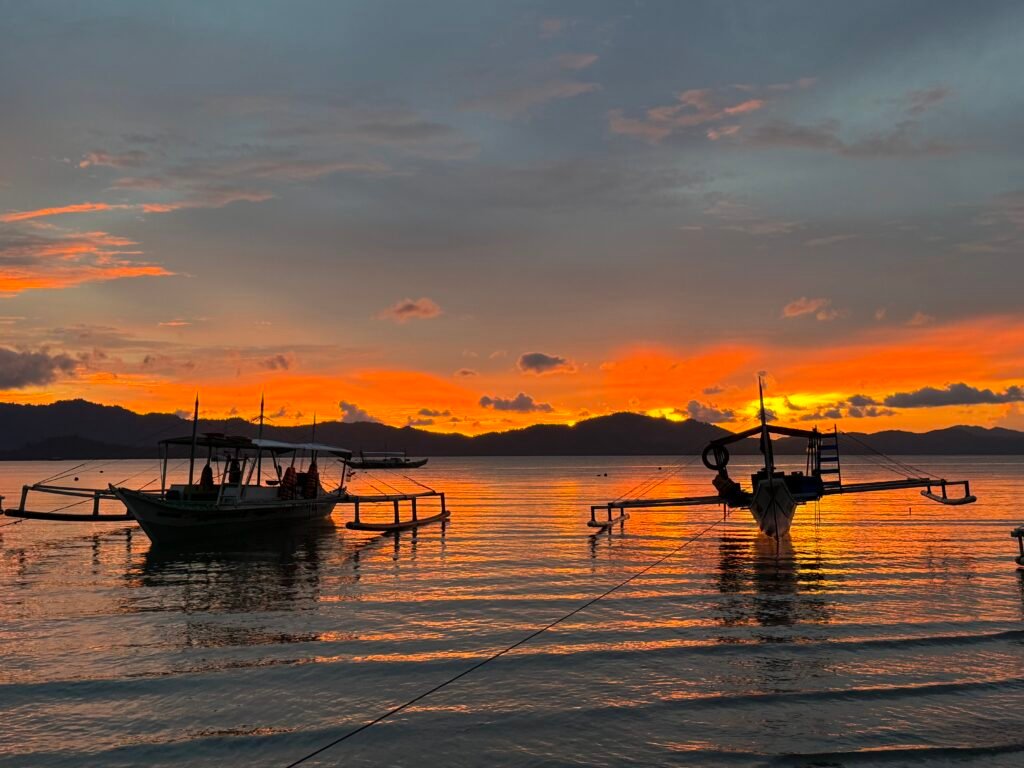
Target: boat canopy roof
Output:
{"points": [[218, 440], [282, 447]]}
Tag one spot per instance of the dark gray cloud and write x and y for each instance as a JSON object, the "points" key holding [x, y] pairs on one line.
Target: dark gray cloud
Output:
{"points": [[538, 362], [859, 401], [954, 394], [521, 403], [26, 369], [708, 413], [870, 412], [276, 363], [433, 413]]}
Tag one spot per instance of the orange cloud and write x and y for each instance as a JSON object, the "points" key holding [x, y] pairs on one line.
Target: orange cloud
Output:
{"points": [[30, 260], [39, 213]]}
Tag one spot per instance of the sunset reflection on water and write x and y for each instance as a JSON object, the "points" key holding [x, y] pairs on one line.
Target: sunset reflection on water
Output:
{"points": [[872, 628]]}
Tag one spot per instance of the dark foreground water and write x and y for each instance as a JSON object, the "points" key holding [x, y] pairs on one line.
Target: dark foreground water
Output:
{"points": [[888, 633]]}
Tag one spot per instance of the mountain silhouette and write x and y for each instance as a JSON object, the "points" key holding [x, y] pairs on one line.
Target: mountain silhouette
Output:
{"points": [[78, 429]]}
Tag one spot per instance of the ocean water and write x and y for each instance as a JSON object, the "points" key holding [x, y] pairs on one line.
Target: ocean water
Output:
{"points": [[886, 630]]}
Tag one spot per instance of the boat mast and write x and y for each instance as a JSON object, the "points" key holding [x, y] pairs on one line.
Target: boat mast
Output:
{"points": [[259, 453], [192, 451], [766, 440]]}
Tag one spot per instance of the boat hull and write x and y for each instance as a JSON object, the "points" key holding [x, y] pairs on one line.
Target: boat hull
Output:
{"points": [[176, 522], [773, 507]]}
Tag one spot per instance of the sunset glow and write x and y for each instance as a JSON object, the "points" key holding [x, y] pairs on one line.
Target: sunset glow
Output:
{"points": [[563, 230]]}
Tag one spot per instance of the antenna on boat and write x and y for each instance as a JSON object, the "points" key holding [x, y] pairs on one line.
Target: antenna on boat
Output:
{"points": [[192, 450], [259, 455], [766, 440]]}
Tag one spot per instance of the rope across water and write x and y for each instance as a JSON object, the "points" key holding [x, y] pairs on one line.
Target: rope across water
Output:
{"points": [[483, 662]]}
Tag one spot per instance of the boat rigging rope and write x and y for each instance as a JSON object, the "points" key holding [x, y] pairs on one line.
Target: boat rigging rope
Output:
{"points": [[503, 651], [655, 479], [904, 468]]}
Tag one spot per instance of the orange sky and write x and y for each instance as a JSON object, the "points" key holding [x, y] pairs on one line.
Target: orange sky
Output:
{"points": [[803, 380]]}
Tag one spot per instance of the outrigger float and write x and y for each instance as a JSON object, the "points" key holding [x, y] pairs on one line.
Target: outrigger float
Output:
{"points": [[237, 499], [775, 495]]}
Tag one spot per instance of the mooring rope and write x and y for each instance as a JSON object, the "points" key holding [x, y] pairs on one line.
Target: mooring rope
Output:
{"points": [[503, 651]]}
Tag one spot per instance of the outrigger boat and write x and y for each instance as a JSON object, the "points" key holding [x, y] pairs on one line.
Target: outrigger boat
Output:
{"points": [[385, 460], [238, 500], [774, 495]]}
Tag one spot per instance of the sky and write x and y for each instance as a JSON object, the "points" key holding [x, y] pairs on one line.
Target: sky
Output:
{"points": [[475, 216]]}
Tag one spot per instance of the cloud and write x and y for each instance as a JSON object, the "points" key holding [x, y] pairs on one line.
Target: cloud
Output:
{"points": [[714, 389], [432, 413], [819, 242], [39, 213], [27, 369], [919, 102], [920, 318], [351, 413], [821, 309], [708, 413], [719, 133], [576, 61], [51, 259], [538, 362], [466, 372], [408, 309], [552, 27], [521, 403], [697, 106], [953, 394], [900, 140], [868, 413], [410, 422], [701, 106], [130, 159], [276, 363], [859, 401], [740, 217], [208, 198], [174, 323], [519, 101]]}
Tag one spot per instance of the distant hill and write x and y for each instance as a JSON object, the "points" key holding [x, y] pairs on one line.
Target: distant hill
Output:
{"points": [[78, 429]]}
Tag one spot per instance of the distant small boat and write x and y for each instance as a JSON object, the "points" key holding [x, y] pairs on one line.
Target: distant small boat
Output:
{"points": [[385, 460]]}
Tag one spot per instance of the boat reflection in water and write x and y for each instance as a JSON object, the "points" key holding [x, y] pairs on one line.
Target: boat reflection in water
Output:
{"points": [[769, 582]]}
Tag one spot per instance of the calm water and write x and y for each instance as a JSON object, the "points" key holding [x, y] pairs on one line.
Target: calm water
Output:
{"points": [[889, 632]]}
